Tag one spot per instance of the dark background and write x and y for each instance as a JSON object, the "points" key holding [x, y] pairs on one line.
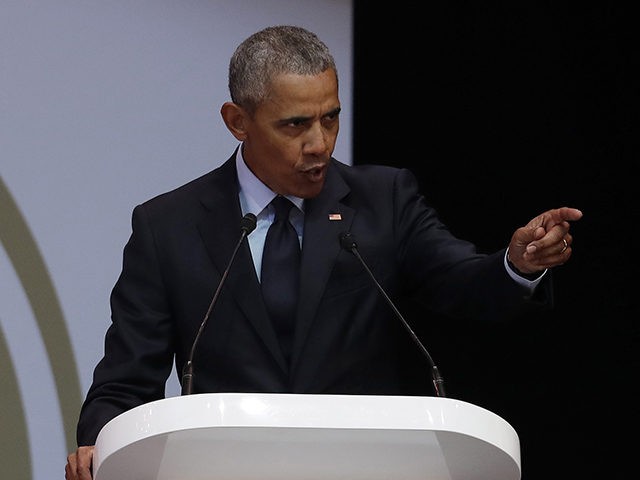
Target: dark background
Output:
{"points": [[504, 111]]}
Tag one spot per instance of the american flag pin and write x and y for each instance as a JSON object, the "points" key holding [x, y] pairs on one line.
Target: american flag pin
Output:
{"points": [[335, 216]]}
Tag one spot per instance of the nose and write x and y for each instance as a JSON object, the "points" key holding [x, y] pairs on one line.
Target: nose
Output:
{"points": [[317, 140]]}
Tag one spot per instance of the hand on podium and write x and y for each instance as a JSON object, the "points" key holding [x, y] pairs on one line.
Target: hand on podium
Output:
{"points": [[79, 464]]}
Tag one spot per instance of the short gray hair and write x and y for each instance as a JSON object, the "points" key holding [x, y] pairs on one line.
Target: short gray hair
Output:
{"points": [[271, 52]]}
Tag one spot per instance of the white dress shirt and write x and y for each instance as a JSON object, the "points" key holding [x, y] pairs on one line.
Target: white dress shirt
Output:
{"points": [[255, 197]]}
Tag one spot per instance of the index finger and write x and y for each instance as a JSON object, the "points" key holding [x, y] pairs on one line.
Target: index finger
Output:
{"points": [[566, 214], [560, 215]]}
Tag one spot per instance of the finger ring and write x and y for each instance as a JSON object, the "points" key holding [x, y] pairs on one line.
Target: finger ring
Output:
{"points": [[565, 245]]}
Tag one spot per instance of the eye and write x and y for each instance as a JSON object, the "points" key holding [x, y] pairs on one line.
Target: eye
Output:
{"points": [[333, 115], [297, 122]]}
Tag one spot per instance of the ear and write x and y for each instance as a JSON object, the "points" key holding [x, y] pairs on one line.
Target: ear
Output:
{"points": [[235, 118]]}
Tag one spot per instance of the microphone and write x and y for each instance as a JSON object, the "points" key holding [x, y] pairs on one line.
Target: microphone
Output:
{"points": [[247, 225], [347, 241]]}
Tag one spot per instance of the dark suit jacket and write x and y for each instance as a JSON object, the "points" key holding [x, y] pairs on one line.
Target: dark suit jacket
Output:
{"points": [[347, 339]]}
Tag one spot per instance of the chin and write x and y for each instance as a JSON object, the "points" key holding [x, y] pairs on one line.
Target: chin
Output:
{"points": [[310, 191]]}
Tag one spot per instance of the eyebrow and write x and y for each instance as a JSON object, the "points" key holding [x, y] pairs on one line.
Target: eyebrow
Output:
{"points": [[298, 119], [335, 111]]}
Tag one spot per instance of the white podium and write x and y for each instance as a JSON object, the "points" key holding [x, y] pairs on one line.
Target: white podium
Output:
{"points": [[241, 436]]}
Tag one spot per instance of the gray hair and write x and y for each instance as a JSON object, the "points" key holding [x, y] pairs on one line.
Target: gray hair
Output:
{"points": [[271, 52]]}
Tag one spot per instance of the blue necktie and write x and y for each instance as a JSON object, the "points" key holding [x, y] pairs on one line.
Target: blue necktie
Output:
{"points": [[280, 274]]}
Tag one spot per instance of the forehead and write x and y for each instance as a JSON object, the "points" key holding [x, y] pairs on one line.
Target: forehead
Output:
{"points": [[292, 94]]}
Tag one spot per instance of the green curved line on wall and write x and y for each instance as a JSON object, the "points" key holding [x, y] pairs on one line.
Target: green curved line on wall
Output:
{"points": [[14, 454], [30, 267]]}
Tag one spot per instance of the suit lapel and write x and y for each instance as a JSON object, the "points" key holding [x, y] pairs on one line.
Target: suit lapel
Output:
{"points": [[220, 231], [325, 219]]}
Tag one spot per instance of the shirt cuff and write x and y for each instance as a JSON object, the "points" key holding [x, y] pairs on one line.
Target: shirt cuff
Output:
{"points": [[518, 277]]}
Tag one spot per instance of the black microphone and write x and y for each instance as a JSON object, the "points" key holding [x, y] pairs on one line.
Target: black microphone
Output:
{"points": [[247, 225], [347, 241]]}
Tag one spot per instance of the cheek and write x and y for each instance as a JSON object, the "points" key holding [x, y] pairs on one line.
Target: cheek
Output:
{"points": [[283, 162], [285, 156], [278, 146]]}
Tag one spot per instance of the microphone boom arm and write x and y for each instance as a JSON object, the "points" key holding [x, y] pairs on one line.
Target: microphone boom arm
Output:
{"points": [[348, 243], [247, 226]]}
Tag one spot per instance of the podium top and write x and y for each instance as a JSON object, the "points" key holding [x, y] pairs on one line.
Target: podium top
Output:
{"points": [[243, 436]]}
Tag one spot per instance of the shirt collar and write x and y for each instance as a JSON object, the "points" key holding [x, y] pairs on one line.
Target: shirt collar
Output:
{"points": [[255, 196]]}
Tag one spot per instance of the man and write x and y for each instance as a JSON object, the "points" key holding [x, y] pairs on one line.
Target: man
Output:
{"points": [[342, 338]]}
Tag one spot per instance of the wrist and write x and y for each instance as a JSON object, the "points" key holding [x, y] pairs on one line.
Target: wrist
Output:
{"points": [[528, 276]]}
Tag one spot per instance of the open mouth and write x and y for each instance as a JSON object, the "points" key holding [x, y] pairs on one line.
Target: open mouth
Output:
{"points": [[315, 174]]}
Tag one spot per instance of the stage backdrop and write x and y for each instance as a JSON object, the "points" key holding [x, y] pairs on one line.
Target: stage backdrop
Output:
{"points": [[103, 105]]}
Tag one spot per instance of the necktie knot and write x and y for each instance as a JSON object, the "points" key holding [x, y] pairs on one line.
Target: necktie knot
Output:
{"points": [[283, 206]]}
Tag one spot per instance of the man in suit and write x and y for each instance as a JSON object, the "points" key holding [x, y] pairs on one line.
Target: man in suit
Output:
{"points": [[341, 337]]}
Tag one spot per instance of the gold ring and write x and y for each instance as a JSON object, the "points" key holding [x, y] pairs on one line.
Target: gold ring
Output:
{"points": [[564, 246]]}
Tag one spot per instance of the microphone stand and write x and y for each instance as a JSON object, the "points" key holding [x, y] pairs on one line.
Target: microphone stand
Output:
{"points": [[248, 224], [348, 243]]}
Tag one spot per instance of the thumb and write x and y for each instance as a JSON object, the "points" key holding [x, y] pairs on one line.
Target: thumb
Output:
{"points": [[522, 238]]}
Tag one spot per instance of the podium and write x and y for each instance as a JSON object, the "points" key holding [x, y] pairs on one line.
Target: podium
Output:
{"points": [[239, 436]]}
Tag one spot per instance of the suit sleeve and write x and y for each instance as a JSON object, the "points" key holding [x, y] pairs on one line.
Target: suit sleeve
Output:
{"points": [[446, 273], [138, 350]]}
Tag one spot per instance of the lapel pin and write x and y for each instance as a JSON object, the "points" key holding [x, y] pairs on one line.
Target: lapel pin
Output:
{"points": [[335, 216]]}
